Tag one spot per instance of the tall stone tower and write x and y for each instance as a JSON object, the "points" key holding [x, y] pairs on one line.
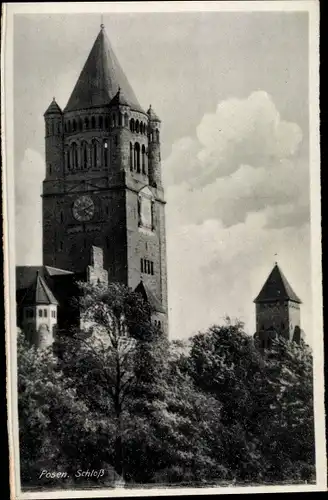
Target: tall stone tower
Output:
{"points": [[103, 183], [277, 310]]}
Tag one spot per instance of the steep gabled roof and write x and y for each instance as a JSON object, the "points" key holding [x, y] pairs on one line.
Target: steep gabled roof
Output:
{"points": [[100, 79], [150, 297], [39, 293], [276, 287]]}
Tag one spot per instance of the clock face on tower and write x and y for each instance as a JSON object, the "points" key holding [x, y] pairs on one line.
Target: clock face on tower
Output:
{"points": [[83, 208]]}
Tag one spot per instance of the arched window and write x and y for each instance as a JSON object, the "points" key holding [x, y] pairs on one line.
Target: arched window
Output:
{"points": [[86, 123], [68, 160], [146, 210], [93, 122], [113, 120], [58, 128], [69, 126], [157, 135], [126, 120], [131, 157], [94, 153], [80, 125], [143, 162], [105, 152], [85, 155], [121, 119], [106, 123], [137, 127], [101, 121], [132, 124], [74, 125], [74, 156], [137, 157]]}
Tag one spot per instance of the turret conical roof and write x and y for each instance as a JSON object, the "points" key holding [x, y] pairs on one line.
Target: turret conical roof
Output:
{"points": [[276, 287], [53, 109], [39, 293], [152, 115], [100, 79]]}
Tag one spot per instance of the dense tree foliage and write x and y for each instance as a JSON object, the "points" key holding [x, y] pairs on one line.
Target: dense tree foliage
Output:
{"points": [[117, 395]]}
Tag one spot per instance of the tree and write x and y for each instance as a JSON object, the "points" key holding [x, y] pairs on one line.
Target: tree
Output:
{"points": [[100, 362], [267, 406]]}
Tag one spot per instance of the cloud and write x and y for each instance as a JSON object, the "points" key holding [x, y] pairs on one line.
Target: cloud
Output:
{"points": [[243, 159], [29, 175], [237, 194]]}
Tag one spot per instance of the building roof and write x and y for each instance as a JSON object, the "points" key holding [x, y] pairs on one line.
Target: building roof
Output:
{"points": [[53, 109], [150, 297], [39, 292], [25, 275], [100, 79], [152, 115], [276, 287]]}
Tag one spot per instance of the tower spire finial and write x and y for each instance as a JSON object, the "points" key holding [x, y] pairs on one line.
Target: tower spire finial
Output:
{"points": [[102, 26]]}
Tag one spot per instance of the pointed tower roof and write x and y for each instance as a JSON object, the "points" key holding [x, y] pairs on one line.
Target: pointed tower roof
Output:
{"points": [[53, 109], [277, 287], [152, 115], [39, 292], [100, 78], [148, 296]]}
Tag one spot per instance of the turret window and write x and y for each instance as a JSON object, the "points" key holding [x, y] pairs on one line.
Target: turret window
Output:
{"points": [[157, 135], [105, 152], [131, 157], [80, 125], [113, 120], [143, 155], [137, 157], [40, 313], [93, 122], [45, 313], [68, 126], [74, 125], [85, 155], [86, 123], [101, 121], [132, 124], [137, 127], [94, 153], [126, 120], [74, 156], [106, 123]]}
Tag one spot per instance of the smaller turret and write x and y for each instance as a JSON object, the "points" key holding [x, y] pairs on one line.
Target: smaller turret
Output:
{"points": [[154, 154], [54, 139], [119, 121]]}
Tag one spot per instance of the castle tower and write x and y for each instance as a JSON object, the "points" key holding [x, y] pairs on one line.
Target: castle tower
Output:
{"points": [[277, 310], [103, 184], [39, 315]]}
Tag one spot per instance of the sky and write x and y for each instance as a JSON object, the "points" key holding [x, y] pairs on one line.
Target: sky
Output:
{"points": [[231, 89]]}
